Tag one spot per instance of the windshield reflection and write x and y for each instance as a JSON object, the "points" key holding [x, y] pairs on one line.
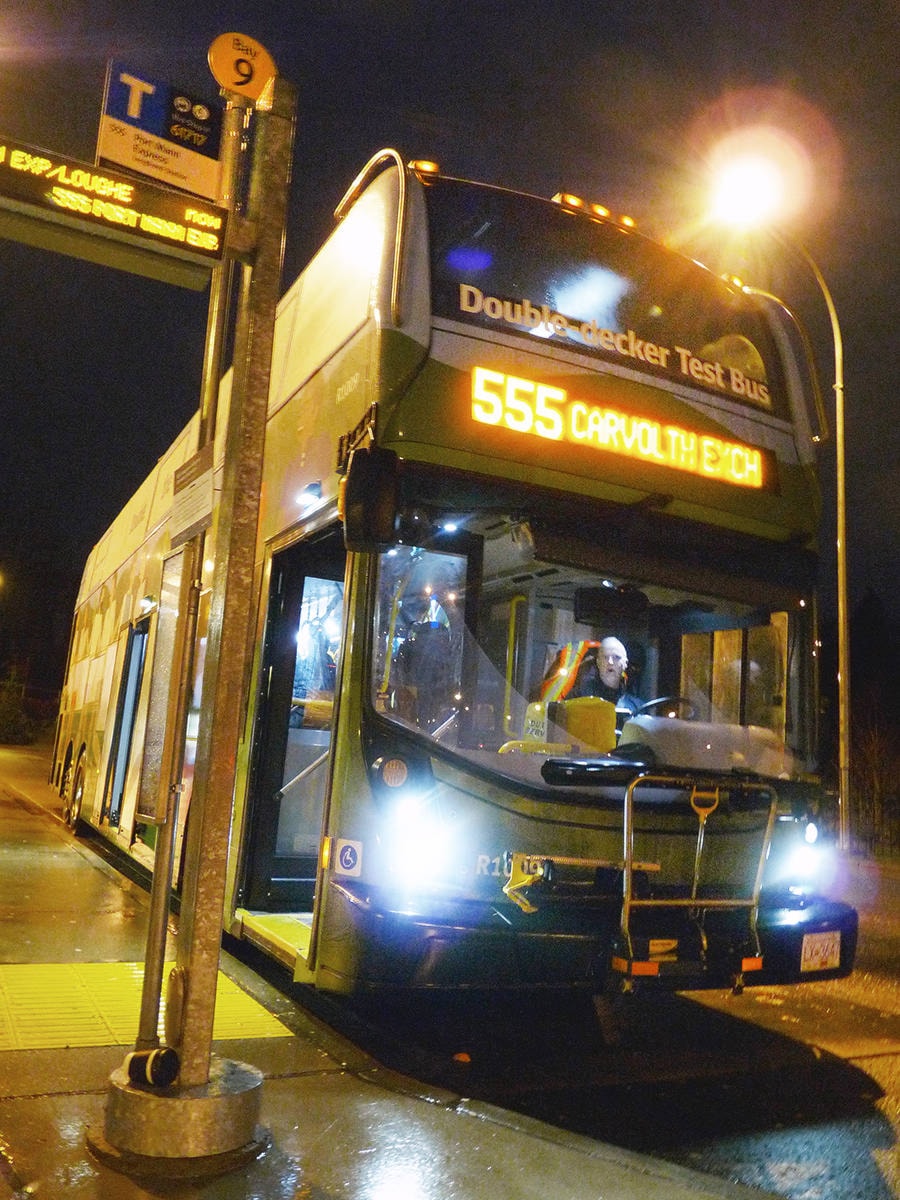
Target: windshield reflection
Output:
{"points": [[507, 658]]}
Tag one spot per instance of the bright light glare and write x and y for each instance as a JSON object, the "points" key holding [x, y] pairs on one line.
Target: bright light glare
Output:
{"points": [[419, 842], [397, 1181], [332, 629], [593, 292], [748, 191], [804, 864], [760, 175]]}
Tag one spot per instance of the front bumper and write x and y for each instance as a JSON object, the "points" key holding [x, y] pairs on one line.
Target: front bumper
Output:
{"points": [[374, 941]]}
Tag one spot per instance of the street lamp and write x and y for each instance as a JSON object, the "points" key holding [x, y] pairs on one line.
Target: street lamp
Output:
{"points": [[752, 190]]}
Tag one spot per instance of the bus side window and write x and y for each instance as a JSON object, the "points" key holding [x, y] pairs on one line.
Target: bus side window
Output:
{"points": [[737, 676]]}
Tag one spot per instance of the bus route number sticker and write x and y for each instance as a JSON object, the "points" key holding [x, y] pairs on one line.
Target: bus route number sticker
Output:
{"points": [[349, 857], [821, 951], [241, 64]]}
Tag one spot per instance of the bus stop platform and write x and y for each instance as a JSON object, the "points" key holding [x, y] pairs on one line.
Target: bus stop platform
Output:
{"points": [[335, 1122]]}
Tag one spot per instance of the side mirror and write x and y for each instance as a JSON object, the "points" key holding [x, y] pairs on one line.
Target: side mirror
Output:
{"points": [[369, 499]]}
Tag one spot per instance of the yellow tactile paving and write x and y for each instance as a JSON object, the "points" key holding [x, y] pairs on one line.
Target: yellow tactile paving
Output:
{"points": [[45, 1005]]}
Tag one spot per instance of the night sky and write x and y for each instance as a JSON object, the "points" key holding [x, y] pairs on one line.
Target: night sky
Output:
{"points": [[616, 100]]}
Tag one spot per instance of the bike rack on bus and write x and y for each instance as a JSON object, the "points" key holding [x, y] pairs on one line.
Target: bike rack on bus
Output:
{"points": [[524, 869], [704, 799]]}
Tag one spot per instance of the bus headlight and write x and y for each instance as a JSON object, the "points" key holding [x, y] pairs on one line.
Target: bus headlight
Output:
{"points": [[418, 842], [802, 864], [798, 857]]}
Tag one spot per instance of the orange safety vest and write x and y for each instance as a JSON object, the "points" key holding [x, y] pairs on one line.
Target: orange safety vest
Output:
{"points": [[564, 669]]}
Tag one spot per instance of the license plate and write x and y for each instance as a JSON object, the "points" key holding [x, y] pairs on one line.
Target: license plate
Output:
{"points": [[821, 951]]}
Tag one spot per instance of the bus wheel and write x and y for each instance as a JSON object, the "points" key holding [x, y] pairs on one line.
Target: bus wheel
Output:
{"points": [[612, 1011], [74, 795]]}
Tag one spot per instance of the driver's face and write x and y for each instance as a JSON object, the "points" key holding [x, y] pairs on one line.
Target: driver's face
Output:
{"points": [[612, 662]]}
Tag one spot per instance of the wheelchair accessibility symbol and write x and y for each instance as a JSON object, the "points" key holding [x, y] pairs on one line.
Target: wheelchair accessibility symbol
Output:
{"points": [[349, 857]]}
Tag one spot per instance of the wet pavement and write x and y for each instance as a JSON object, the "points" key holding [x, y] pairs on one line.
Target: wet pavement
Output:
{"points": [[333, 1121]]}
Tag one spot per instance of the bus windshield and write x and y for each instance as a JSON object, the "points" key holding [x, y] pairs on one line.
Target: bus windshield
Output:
{"points": [[496, 648], [525, 266]]}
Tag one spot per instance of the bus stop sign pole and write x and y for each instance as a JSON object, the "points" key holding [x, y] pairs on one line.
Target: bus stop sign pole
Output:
{"points": [[210, 1113]]}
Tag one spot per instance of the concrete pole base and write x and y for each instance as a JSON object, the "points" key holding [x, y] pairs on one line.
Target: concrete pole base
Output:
{"points": [[183, 1133]]}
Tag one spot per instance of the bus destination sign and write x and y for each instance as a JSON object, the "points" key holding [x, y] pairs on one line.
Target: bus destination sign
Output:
{"points": [[93, 200], [524, 406]]}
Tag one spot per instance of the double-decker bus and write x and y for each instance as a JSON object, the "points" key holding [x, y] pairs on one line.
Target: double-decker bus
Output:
{"points": [[533, 700]]}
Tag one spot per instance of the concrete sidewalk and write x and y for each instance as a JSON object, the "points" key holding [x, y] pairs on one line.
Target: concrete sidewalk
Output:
{"points": [[337, 1123]]}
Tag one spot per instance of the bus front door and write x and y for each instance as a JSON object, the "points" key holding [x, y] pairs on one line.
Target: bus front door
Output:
{"points": [[292, 740]]}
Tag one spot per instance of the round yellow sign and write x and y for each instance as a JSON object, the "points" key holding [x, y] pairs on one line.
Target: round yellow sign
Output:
{"points": [[241, 64]]}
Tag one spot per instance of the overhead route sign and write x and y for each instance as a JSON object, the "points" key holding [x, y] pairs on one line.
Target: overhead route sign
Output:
{"points": [[79, 209], [160, 131]]}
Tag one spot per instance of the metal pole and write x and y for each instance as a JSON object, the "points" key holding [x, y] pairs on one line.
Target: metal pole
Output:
{"points": [[170, 779], [843, 614], [229, 644], [172, 768], [234, 128]]}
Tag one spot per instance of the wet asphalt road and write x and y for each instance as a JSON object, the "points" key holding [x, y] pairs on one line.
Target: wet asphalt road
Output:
{"points": [[794, 1090]]}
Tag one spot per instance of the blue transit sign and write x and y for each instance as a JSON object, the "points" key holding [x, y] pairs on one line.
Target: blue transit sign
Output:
{"points": [[162, 131]]}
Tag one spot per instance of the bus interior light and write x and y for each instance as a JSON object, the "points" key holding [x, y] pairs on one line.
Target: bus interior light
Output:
{"points": [[628, 222], [600, 210]]}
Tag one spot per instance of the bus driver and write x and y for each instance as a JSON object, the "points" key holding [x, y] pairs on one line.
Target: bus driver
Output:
{"points": [[612, 664], [591, 669]]}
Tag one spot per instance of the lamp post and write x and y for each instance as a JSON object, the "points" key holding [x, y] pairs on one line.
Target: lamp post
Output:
{"points": [[749, 192], [843, 615]]}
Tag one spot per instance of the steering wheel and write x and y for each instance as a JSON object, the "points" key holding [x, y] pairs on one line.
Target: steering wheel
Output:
{"points": [[679, 706]]}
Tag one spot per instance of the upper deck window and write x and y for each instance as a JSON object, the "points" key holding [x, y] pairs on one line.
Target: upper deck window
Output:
{"points": [[522, 265]]}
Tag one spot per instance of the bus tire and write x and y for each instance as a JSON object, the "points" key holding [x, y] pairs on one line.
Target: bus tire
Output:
{"points": [[611, 1010], [74, 795]]}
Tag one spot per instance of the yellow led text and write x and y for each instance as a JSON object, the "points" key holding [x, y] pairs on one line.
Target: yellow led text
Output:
{"points": [[110, 201], [524, 406]]}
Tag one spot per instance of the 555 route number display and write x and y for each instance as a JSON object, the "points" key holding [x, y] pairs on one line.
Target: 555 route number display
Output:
{"points": [[524, 406]]}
